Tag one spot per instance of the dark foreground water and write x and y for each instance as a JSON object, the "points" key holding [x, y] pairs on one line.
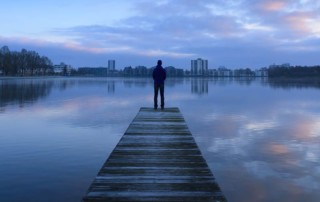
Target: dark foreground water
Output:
{"points": [[260, 138]]}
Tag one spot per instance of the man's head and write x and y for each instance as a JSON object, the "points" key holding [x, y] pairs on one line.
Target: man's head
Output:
{"points": [[159, 62]]}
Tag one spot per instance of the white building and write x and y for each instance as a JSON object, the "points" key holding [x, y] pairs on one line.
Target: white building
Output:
{"points": [[263, 72], [199, 67], [112, 65], [58, 69], [224, 72], [62, 69]]}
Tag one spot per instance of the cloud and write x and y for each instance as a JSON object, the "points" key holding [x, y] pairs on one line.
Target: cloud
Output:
{"points": [[278, 149], [288, 19], [274, 5], [24, 40], [125, 39], [231, 33]]}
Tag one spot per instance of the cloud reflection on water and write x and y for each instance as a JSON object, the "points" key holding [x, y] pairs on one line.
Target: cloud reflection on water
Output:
{"points": [[261, 142], [282, 145]]}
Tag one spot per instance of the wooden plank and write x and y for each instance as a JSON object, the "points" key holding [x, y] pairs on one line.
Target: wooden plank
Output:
{"points": [[157, 159]]}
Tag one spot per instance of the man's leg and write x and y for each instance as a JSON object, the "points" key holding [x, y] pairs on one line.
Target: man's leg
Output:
{"points": [[155, 99], [162, 96]]}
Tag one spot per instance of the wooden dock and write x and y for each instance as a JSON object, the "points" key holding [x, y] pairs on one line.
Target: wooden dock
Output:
{"points": [[157, 159]]}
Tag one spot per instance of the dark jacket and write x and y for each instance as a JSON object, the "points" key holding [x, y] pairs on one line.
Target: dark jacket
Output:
{"points": [[159, 75]]}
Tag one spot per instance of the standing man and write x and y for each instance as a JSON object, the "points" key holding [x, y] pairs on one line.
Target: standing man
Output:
{"points": [[159, 75]]}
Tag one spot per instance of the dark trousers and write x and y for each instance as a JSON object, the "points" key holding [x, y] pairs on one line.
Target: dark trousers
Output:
{"points": [[156, 90]]}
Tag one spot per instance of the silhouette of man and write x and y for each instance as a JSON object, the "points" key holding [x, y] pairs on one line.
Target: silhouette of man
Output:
{"points": [[159, 75]]}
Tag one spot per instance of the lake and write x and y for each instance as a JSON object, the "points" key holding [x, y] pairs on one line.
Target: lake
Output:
{"points": [[260, 137]]}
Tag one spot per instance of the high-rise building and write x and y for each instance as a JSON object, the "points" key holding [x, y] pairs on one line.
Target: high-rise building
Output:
{"points": [[199, 67], [111, 65]]}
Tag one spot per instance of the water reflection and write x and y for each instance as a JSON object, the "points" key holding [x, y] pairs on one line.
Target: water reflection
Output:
{"points": [[111, 86], [26, 91], [261, 143], [278, 150], [142, 83], [287, 83], [23, 91], [199, 86], [29, 90]]}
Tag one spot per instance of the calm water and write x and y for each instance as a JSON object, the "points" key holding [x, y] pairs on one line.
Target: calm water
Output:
{"points": [[261, 139]]}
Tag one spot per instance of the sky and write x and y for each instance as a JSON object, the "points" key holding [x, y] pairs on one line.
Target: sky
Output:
{"points": [[230, 33]]}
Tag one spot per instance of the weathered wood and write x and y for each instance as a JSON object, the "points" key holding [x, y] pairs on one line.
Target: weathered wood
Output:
{"points": [[157, 159]]}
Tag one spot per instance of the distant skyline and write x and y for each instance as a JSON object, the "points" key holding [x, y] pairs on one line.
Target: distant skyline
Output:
{"points": [[235, 34]]}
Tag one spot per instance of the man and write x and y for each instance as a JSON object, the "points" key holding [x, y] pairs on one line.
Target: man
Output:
{"points": [[159, 75]]}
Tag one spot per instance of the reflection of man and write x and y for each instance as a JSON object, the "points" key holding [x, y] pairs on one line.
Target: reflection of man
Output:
{"points": [[159, 75]]}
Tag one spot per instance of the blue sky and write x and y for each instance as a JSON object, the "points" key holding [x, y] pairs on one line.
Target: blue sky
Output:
{"points": [[232, 33]]}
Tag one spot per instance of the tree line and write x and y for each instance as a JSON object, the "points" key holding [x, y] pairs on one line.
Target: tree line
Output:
{"points": [[24, 63], [294, 71]]}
